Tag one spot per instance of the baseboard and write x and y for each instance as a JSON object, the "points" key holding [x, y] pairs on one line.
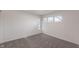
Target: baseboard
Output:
{"points": [[61, 38]]}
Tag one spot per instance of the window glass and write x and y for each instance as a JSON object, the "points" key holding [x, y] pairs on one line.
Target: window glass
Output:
{"points": [[58, 19], [50, 19]]}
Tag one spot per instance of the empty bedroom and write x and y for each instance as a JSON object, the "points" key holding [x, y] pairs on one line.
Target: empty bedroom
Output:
{"points": [[39, 28]]}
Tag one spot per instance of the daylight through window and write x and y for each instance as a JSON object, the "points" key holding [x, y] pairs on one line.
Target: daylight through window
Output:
{"points": [[51, 19]]}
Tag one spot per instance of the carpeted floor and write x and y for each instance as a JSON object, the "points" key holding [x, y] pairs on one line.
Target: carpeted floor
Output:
{"points": [[38, 41]]}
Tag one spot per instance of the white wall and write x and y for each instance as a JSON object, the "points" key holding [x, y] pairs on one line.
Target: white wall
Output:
{"points": [[1, 28], [17, 24], [67, 30]]}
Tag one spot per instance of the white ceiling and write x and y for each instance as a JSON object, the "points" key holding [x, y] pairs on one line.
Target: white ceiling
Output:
{"points": [[39, 12]]}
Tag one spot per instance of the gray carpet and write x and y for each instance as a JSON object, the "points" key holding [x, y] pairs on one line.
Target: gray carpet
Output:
{"points": [[39, 41]]}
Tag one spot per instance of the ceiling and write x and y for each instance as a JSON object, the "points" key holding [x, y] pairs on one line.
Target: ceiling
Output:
{"points": [[39, 12]]}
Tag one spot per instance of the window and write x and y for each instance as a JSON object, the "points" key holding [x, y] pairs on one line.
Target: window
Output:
{"points": [[58, 19], [50, 19]]}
